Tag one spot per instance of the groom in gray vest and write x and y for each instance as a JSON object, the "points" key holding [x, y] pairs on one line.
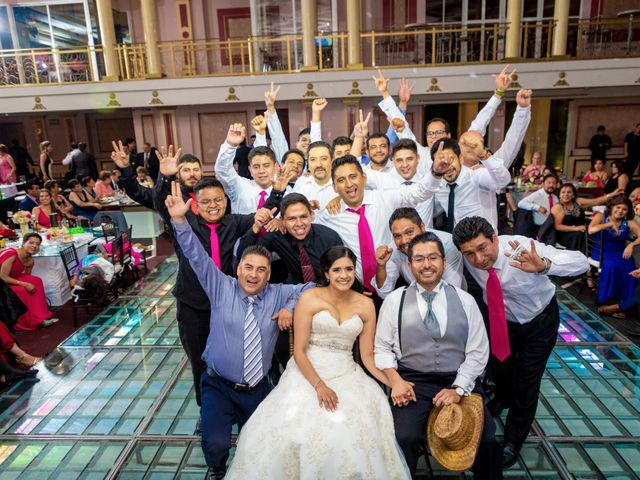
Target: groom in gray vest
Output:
{"points": [[432, 345]]}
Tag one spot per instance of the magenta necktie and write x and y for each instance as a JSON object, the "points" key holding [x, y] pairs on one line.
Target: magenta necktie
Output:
{"points": [[550, 202], [215, 246], [498, 335], [367, 249], [261, 203]]}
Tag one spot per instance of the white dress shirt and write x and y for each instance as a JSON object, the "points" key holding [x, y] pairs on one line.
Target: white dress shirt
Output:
{"points": [[68, 160], [315, 132], [380, 204], [475, 193], [243, 193], [307, 186], [388, 168], [534, 201], [387, 342], [398, 265], [526, 295]]}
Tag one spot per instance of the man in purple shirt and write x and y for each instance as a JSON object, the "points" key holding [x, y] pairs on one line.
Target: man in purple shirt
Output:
{"points": [[242, 336]]}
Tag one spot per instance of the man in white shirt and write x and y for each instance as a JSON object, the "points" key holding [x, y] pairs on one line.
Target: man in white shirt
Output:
{"points": [[246, 195], [405, 224], [432, 345], [467, 192], [341, 146], [317, 186], [542, 200], [523, 315], [362, 221]]}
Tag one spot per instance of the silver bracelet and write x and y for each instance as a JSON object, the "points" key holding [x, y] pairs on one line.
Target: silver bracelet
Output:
{"points": [[547, 267]]}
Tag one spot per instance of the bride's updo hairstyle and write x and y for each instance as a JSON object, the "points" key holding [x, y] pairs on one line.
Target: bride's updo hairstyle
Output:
{"points": [[327, 260]]}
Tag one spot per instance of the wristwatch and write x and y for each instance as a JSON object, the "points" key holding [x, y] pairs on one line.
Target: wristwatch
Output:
{"points": [[459, 391], [547, 267]]}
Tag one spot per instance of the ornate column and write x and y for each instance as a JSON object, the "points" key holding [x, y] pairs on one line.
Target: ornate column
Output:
{"points": [[353, 32], [561, 20], [309, 14], [514, 18], [108, 36], [150, 29]]}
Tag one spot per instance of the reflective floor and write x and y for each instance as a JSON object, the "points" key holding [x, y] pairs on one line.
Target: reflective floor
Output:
{"points": [[117, 401]]}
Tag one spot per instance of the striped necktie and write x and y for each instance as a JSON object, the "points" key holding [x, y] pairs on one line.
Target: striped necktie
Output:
{"points": [[252, 370]]}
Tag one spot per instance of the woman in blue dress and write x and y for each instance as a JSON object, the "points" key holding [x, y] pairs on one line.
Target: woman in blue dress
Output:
{"points": [[617, 257]]}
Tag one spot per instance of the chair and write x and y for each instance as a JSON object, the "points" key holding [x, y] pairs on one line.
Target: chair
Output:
{"points": [[126, 259], [593, 243]]}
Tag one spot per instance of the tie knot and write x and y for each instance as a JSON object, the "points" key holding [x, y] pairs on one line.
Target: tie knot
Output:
{"points": [[452, 186], [263, 194], [251, 299], [408, 182], [359, 211], [213, 226], [428, 296]]}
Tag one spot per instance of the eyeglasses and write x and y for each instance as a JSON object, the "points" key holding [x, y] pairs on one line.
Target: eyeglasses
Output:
{"points": [[433, 133], [209, 201], [433, 258]]}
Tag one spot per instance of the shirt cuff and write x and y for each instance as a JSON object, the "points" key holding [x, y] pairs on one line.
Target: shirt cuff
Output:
{"points": [[180, 227], [385, 360], [464, 382]]}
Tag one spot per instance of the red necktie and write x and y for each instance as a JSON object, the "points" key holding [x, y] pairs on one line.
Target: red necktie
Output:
{"points": [[261, 203], [550, 202], [308, 275], [215, 246], [498, 335], [194, 207], [367, 249]]}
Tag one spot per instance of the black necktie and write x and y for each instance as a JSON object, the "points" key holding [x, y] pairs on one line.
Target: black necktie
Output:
{"points": [[452, 200], [308, 274]]}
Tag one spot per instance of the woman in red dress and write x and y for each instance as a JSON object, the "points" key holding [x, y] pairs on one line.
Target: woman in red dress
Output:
{"points": [[15, 270], [47, 207]]}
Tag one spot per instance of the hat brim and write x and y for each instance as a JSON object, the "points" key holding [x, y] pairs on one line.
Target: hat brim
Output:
{"points": [[458, 460]]}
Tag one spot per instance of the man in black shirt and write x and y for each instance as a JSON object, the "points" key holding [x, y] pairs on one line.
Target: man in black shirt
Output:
{"points": [[599, 144], [632, 150], [22, 159]]}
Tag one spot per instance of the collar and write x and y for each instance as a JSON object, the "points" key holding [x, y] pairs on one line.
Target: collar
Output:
{"points": [[244, 295], [501, 261], [367, 199], [34, 199], [308, 240], [436, 289]]}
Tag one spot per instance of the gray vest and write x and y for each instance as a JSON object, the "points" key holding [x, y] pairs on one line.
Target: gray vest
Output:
{"points": [[420, 352]]}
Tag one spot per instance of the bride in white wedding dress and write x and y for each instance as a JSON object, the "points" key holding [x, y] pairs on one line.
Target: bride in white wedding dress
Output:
{"points": [[326, 419]]}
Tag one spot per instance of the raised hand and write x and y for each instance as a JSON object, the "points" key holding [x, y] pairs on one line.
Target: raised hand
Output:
{"points": [[383, 254], [236, 134], [259, 124], [262, 217], [504, 79], [319, 104], [440, 161], [270, 98], [284, 175], [276, 225], [169, 160], [397, 124], [119, 157], [382, 84], [176, 206], [523, 98], [529, 260], [361, 129], [404, 93]]}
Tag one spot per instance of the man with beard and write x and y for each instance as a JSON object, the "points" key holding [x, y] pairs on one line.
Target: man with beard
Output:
{"points": [[405, 225], [542, 200], [317, 186]]}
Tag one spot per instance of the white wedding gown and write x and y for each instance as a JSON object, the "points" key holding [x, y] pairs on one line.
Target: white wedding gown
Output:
{"points": [[290, 436]]}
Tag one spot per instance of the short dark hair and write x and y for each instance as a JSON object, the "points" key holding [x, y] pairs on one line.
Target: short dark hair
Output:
{"points": [[129, 140], [346, 160], [373, 136], [341, 140], [31, 235], [189, 158], [447, 127], [406, 213], [292, 151], [471, 227], [33, 183], [73, 183], [85, 180], [600, 128], [82, 146], [449, 144], [207, 182], [549, 175], [262, 151], [329, 257], [304, 131], [256, 250], [318, 144], [292, 199], [573, 188], [425, 238], [404, 144], [620, 165], [593, 163]]}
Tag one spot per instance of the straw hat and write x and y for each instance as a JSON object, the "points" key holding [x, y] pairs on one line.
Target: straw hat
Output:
{"points": [[453, 432]]}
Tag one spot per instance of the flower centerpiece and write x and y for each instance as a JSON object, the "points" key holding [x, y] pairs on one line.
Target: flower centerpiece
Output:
{"points": [[22, 218]]}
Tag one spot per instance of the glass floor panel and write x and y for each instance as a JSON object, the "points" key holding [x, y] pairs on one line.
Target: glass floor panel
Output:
{"points": [[119, 401]]}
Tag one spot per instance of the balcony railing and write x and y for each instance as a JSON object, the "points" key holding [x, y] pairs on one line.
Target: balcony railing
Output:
{"points": [[429, 44]]}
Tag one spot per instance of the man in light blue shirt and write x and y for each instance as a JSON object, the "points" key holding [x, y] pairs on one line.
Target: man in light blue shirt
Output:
{"points": [[242, 336]]}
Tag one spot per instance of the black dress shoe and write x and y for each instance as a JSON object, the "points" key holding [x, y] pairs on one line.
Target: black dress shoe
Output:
{"points": [[214, 474], [199, 426], [510, 454]]}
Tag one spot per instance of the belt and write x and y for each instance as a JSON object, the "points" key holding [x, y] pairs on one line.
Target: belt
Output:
{"points": [[240, 387]]}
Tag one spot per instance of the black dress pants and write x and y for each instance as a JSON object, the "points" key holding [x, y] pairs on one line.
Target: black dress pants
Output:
{"points": [[410, 424], [193, 327], [518, 378]]}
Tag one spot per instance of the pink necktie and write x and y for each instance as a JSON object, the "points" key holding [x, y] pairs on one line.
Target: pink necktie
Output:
{"points": [[261, 203], [215, 247], [550, 202], [499, 337], [367, 249]]}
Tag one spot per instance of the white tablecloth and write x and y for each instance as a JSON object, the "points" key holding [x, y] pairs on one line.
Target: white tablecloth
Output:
{"points": [[54, 277]]}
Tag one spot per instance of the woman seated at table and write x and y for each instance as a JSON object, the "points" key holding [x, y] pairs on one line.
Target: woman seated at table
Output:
{"points": [[617, 262], [597, 176], [83, 204], [143, 177], [47, 207], [64, 207], [568, 216], [88, 185], [15, 270], [103, 186], [619, 178]]}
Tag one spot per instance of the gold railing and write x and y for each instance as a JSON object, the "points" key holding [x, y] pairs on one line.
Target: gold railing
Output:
{"points": [[429, 44]]}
